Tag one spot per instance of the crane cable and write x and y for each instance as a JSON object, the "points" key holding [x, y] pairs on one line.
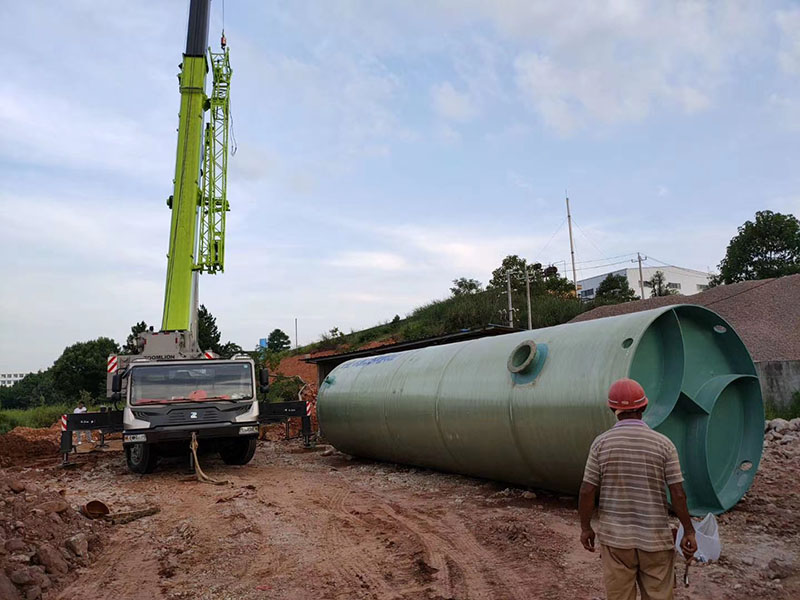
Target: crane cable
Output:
{"points": [[224, 42], [201, 476]]}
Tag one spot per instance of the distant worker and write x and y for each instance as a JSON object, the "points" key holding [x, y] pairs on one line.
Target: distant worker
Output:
{"points": [[631, 465], [78, 411]]}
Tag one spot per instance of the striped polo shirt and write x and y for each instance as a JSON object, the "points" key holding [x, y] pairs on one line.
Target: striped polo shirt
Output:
{"points": [[632, 465]]}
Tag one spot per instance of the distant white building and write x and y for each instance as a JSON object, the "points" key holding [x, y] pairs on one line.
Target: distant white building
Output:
{"points": [[9, 379], [684, 281]]}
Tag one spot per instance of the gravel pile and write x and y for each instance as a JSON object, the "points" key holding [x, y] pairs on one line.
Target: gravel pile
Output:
{"points": [[765, 313], [781, 431]]}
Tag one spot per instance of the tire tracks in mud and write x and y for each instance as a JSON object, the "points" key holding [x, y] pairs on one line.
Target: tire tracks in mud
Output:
{"points": [[349, 561], [482, 576], [445, 560]]}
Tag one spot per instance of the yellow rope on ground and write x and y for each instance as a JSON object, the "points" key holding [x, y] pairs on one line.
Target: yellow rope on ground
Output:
{"points": [[202, 477]]}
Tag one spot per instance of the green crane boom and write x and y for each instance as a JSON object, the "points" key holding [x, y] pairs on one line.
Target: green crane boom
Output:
{"points": [[199, 200]]}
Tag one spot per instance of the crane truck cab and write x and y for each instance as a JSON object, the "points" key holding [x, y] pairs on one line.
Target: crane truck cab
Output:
{"points": [[172, 390]]}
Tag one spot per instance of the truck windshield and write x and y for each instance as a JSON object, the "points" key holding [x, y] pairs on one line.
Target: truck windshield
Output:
{"points": [[160, 384]]}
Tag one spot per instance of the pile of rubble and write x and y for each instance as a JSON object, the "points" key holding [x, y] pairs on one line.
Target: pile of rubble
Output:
{"points": [[23, 443], [781, 431], [42, 539]]}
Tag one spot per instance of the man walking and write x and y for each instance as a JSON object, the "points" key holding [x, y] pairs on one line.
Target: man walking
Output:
{"points": [[631, 465]]}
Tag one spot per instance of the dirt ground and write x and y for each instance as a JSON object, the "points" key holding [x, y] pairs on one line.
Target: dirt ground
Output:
{"points": [[296, 524]]}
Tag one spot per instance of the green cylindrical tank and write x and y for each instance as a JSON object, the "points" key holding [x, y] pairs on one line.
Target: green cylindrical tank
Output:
{"points": [[524, 407]]}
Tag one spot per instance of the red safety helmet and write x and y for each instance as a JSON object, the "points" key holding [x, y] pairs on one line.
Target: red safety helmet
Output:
{"points": [[626, 395]]}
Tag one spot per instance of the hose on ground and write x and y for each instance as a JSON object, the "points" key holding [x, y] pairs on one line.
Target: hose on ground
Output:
{"points": [[201, 476]]}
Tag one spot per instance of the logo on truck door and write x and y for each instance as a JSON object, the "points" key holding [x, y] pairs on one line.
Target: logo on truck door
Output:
{"points": [[193, 415]]}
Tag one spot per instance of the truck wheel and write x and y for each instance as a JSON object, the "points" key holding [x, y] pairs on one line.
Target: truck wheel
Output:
{"points": [[238, 452], [141, 458]]}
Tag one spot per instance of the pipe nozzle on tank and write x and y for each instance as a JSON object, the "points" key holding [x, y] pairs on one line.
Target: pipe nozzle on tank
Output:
{"points": [[523, 356]]}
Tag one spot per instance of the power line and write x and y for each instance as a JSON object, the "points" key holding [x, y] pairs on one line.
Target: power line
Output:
{"points": [[583, 233], [677, 267], [542, 249], [591, 268], [580, 262]]}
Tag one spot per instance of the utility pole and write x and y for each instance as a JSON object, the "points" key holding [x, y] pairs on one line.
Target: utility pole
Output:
{"points": [[295, 333], [528, 291], [641, 277], [510, 309], [572, 248]]}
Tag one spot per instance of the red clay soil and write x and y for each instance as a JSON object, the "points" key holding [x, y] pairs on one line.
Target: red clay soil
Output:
{"points": [[765, 313], [44, 540], [299, 525], [26, 443], [296, 365]]}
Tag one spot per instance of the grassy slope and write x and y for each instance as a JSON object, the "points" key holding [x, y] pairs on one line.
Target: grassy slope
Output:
{"points": [[442, 317]]}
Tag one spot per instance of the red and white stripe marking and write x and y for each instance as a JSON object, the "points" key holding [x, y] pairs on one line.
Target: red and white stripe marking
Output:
{"points": [[209, 354], [63, 422], [309, 406], [112, 363]]}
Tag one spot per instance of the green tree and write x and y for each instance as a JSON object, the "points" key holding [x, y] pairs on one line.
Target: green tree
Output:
{"points": [[658, 286], [82, 366], [131, 347], [277, 341], [284, 389], [35, 389], [614, 289], [463, 286], [228, 349], [517, 267], [208, 335], [542, 281], [766, 247], [558, 285]]}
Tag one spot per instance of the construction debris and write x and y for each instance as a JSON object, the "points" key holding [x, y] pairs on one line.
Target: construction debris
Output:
{"points": [[43, 540]]}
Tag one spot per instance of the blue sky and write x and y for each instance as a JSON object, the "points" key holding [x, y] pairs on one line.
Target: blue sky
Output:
{"points": [[384, 149]]}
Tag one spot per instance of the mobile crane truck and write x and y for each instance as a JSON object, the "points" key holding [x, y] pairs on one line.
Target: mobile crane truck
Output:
{"points": [[171, 390]]}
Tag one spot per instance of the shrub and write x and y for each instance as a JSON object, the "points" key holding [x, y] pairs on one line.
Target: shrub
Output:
{"points": [[40, 416], [784, 412]]}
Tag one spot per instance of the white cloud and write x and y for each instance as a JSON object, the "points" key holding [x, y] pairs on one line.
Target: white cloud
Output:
{"points": [[615, 62], [447, 134], [383, 261], [474, 252], [788, 22], [546, 87], [452, 104], [347, 102], [40, 128], [787, 109]]}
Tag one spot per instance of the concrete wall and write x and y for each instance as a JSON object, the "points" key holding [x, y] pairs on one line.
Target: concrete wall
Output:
{"points": [[780, 379]]}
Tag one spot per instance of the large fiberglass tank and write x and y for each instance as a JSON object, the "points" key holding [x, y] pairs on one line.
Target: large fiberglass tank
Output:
{"points": [[524, 407]]}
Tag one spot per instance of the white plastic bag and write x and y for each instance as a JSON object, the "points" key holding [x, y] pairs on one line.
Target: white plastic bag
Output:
{"points": [[707, 534]]}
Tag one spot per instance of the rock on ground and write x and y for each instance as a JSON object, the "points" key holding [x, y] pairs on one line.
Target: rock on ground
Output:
{"points": [[52, 559]]}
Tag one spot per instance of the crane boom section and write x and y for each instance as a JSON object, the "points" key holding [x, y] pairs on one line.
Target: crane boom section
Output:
{"points": [[186, 197], [214, 205]]}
